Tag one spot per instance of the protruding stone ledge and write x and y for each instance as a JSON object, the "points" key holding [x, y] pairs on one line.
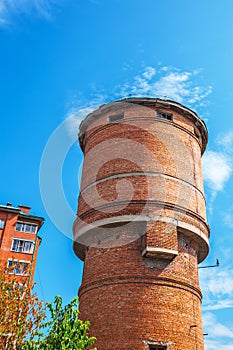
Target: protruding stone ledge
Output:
{"points": [[156, 343], [160, 253], [83, 233]]}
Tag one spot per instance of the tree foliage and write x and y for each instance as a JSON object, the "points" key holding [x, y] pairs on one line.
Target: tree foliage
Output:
{"points": [[64, 330], [23, 321], [21, 312]]}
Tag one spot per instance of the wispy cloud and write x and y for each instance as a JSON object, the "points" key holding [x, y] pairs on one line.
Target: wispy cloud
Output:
{"points": [[219, 335], [216, 169], [167, 82], [217, 289], [11, 8], [217, 345], [164, 82], [216, 328], [149, 73], [74, 119], [78, 110], [226, 140], [218, 166]]}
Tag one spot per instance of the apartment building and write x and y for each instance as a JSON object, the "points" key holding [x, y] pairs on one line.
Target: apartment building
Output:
{"points": [[19, 240]]}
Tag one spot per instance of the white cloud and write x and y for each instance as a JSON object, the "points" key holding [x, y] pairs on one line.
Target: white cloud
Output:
{"points": [[149, 73], [226, 140], [199, 94], [161, 82], [218, 283], [217, 345], [217, 289], [217, 169], [166, 82], [77, 111], [74, 119], [219, 335], [10, 8], [219, 305], [173, 85], [216, 328]]}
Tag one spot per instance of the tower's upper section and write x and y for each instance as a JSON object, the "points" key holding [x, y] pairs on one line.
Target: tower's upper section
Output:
{"points": [[142, 163], [173, 111]]}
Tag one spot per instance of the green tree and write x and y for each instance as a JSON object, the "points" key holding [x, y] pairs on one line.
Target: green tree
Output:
{"points": [[23, 321], [21, 312], [64, 330]]}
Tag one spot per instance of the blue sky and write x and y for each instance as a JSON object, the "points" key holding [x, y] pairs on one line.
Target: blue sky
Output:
{"points": [[59, 59]]}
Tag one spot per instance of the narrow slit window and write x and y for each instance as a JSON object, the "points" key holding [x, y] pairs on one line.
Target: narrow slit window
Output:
{"points": [[164, 116], [157, 347], [115, 118]]}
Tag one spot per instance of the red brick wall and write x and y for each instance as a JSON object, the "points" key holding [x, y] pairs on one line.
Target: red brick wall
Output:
{"points": [[128, 298], [148, 169]]}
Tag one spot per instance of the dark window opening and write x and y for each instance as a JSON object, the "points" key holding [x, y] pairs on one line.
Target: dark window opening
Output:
{"points": [[154, 347], [168, 117], [115, 118]]}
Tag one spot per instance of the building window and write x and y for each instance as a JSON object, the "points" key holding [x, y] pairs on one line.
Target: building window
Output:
{"points": [[18, 267], [154, 347], [115, 118], [2, 223], [164, 115], [24, 227], [22, 246]]}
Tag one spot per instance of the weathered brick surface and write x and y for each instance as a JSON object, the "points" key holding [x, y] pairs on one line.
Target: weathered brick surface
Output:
{"points": [[129, 298], [145, 169]]}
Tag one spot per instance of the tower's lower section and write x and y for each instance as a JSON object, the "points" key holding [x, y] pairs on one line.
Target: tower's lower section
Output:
{"points": [[135, 302]]}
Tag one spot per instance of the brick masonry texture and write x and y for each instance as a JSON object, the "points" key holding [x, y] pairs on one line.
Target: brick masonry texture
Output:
{"points": [[142, 192]]}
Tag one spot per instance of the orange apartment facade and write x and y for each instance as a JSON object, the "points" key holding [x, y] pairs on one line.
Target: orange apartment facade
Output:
{"points": [[19, 241]]}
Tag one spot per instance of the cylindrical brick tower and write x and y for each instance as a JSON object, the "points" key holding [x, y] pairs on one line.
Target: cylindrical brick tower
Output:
{"points": [[141, 225]]}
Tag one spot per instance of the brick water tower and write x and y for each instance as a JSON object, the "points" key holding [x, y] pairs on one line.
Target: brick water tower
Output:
{"points": [[141, 225]]}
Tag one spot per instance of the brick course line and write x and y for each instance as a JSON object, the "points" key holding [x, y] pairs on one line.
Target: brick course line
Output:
{"points": [[172, 206], [169, 282], [146, 173]]}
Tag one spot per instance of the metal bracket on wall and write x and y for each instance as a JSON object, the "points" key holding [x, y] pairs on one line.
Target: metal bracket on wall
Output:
{"points": [[206, 267]]}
